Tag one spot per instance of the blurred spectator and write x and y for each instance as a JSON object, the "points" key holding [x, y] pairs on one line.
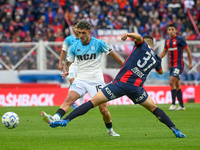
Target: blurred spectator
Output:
{"points": [[147, 5], [96, 9], [153, 13], [191, 36], [181, 15], [94, 20], [49, 15], [175, 5]]}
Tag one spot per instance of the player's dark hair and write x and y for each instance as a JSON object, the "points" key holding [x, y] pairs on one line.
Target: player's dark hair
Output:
{"points": [[75, 22], [148, 39], [83, 24], [172, 25]]}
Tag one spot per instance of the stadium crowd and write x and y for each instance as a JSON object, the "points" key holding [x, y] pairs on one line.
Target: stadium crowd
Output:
{"points": [[50, 20], [31, 20]]}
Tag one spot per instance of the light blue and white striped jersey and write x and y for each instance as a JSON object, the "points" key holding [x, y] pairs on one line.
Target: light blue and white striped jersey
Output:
{"points": [[89, 58]]}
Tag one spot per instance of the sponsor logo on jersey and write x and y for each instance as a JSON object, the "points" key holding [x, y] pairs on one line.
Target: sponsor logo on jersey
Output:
{"points": [[86, 56], [78, 50], [137, 72]]}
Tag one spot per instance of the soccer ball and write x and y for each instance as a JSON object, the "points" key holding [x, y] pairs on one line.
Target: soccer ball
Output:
{"points": [[10, 120]]}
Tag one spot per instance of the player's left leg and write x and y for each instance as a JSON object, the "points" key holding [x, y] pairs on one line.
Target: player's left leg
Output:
{"points": [[172, 82], [74, 106], [179, 96], [160, 114]]}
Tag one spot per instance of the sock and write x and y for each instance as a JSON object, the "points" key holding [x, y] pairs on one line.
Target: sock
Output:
{"points": [[108, 125], [81, 110], [173, 92], [160, 114], [179, 96], [59, 114]]}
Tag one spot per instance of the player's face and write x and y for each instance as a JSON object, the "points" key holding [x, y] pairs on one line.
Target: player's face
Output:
{"points": [[84, 35], [75, 30], [171, 31]]}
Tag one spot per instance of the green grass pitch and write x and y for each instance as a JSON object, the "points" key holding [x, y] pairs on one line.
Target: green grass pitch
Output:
{"points": [[139, 130]]}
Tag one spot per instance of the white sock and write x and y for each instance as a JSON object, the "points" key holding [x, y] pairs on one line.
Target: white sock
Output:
{"points": [[56, 117]]}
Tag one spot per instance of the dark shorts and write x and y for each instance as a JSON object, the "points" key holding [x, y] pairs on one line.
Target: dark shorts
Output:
{"points": [[176, 72], [135, 93]]}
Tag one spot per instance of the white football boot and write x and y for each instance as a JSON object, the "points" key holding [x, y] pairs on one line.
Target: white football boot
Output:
{"points": [[111, 132], [180, 108], [47, 118], [172, 107]]}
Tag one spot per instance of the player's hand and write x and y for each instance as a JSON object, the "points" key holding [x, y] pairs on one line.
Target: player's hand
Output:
{"points": [[190, 66], [124, 36], [65, 74], [60, 66]]}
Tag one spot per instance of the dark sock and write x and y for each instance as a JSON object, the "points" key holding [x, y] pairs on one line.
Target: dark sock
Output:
{"points": [[173, 96], [108, 125], [60, 112], [179, 96], [81, 110], [160, 114]]}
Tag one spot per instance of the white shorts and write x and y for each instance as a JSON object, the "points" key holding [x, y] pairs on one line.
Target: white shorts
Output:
{"points": [[72, 72], [82, 87]]}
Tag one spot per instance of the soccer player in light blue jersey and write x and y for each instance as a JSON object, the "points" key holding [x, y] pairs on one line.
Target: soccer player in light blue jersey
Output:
{"points": [[88, 54], [69, 41]]}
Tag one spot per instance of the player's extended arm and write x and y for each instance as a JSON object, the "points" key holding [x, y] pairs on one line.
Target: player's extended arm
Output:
{"points": [[62, 55], [117, 58], [163, 53], [187, 49], [66, 69], [138, 38]]}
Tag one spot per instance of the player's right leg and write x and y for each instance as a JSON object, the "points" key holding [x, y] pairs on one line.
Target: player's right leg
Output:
{"points": [[179, 96], [98, 99], [64, 108]]}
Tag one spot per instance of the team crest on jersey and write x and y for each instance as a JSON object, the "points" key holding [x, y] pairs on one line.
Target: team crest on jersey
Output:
{"points": [[174, 43], [92, 47]]}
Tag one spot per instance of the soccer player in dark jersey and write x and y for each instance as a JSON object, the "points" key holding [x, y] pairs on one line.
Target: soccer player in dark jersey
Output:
{"points": [[129, 82], [175, 45]]}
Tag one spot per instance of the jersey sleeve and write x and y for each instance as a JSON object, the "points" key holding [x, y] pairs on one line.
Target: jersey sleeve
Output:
{"points": [[165, 44], [104, 47], [159, 61], [182, 42], [65, 45], [71, 54]]}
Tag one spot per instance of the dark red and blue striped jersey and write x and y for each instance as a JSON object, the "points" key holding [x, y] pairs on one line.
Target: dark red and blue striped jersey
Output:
{"points": [[175, 47], [138, 64]]}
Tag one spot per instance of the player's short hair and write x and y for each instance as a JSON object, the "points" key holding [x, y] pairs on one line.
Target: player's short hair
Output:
{"points": [[172, 25], [83, 24], [148, 39], [75, 22]]}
